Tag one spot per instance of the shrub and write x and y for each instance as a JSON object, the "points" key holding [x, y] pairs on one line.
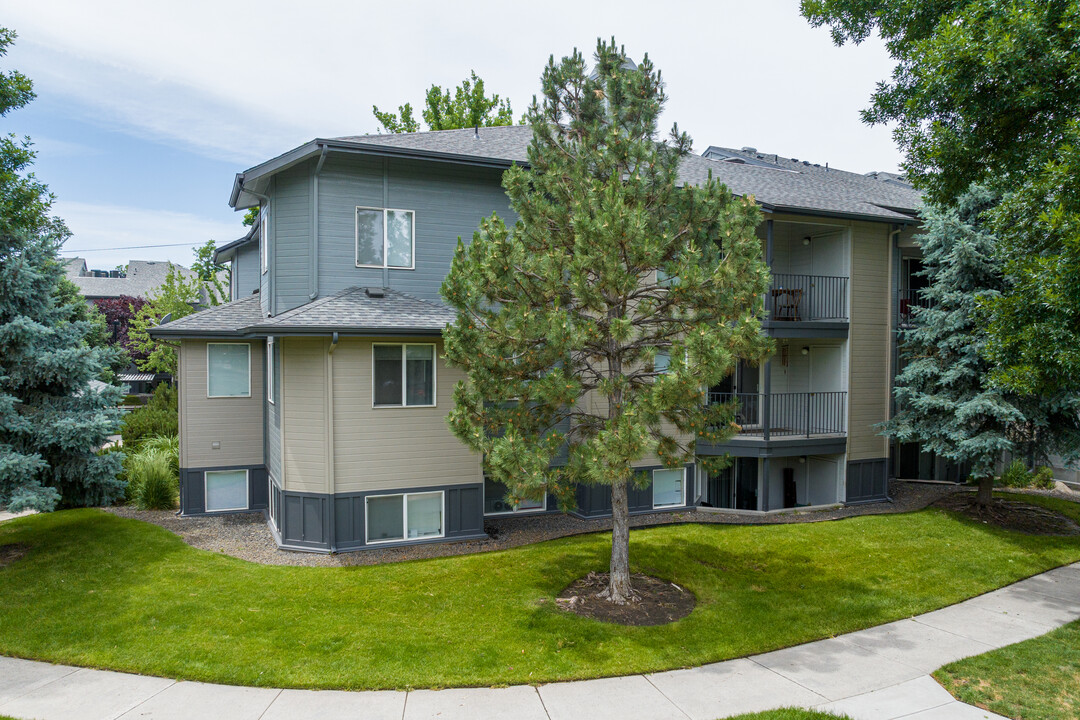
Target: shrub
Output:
{"points": [[168, 444], [1043, 478], [165, 398], [1016, 475], [152, 484], [148, 422]]}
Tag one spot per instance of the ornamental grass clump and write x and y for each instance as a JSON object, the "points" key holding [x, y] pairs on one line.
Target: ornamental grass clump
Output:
{"points": [[153, 476]]}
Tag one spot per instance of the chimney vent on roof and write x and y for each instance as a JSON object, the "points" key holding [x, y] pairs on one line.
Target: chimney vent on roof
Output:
{"points": [[748, 149], [373, 292], [476, 132]]}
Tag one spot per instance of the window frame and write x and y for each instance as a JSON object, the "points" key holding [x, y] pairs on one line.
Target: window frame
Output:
{"points": [[264, 237], [271, 502], [515, 511], [271, 390], [682, 484], [247, 490], [405, 517], [385, 253], [226, 397], [404, 374]]}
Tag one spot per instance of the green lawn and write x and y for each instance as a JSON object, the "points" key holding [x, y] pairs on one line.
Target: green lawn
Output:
{"points": [[102, 591], [1037, 679]]}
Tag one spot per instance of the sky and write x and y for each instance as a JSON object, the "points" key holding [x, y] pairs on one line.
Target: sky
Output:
{"points": [[145, 111]]}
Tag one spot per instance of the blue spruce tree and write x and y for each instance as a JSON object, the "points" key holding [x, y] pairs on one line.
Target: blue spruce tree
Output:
{"points": [[52, 415], [946, 397]]}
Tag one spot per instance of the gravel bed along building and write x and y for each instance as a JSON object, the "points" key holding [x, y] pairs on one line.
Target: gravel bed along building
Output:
{"points": [[247, 537]]}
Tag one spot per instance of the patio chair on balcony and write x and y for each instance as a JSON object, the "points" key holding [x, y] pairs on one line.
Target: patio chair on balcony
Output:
{"points": [[786, 303]]}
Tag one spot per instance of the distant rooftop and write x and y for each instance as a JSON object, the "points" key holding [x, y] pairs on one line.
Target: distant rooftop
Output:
{"points": [[139, 280]]}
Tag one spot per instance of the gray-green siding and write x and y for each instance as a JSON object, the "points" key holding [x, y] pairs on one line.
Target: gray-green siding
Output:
{"points": [[448, 201], [245, 269]]}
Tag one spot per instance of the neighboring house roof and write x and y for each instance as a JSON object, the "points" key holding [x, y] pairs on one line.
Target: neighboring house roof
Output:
{"points": [[788, 187], [353, 310], [74, 267], [142, 277]]}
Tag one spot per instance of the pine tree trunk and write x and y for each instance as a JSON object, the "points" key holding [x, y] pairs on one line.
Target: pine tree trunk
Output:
{"points": [[619, 591], [985, 495]]}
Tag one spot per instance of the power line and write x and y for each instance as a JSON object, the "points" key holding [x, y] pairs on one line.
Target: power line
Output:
{"points": [[130, 247]]}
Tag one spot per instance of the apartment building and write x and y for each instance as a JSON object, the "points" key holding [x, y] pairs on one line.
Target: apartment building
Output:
{"points": [[319, 394]]}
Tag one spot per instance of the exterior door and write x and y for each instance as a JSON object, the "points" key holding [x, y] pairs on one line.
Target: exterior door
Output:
{"points": [[828, 260], [826, 410]]}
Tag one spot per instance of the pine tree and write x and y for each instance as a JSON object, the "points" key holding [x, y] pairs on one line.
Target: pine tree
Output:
{"points": [[611, 266], [51, 416], [944, 395]]}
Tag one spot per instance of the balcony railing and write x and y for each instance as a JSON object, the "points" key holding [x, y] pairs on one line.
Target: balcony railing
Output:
{"points": [[798, 298], [906, 302], [800, 414]]}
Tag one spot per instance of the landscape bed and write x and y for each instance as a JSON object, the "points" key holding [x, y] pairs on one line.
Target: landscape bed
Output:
{"points": [[97, 590]]}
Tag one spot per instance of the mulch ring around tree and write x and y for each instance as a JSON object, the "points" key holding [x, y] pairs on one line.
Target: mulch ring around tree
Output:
{"points": [[11, 552], [1014, 515], [658, 601]]}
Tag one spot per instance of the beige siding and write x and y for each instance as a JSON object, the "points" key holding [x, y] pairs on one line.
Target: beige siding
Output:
{"points": [[868, 390], [393, 447], [597, 404], [235, 423], [305, 427]]}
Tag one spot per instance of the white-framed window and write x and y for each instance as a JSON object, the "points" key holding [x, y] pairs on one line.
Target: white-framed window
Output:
{"points": [[668, 487], [270, 389], [385, 238], [272, 502], [405, 516], [228, 370], [225, 490], [264, 237], [403, 375], [496, 502], [665, 280]]}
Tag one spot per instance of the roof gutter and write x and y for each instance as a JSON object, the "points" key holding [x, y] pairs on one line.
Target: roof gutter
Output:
{"points": [[315, 227]]}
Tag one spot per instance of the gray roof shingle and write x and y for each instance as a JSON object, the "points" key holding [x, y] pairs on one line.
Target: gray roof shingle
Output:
{"points": [[789, 185], [351, 310], [229, 319]]}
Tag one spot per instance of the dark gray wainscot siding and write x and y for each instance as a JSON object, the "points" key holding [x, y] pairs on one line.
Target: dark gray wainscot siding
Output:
{"points": [[595, 500], [335, 523], [193, 489]]}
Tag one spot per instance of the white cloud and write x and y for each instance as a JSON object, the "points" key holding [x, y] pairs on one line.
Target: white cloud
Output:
{"points": [[229, 81], [97, 230]]}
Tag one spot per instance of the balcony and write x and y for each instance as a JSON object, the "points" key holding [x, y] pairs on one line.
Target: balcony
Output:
{"points": [[906, 303], [783, 422], [807, 298], [797, 414]]}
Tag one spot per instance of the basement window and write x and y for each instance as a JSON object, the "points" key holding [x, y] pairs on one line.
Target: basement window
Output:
{"points": [[668, 487], [226, 490], [408, 516]]}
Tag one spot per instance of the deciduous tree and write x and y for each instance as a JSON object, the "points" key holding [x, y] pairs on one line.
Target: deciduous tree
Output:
{"points": [[573, 345], [989, 92], [467, 107]]}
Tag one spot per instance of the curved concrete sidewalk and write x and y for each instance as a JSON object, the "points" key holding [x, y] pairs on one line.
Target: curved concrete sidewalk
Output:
{"points": [[877, 674]]}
